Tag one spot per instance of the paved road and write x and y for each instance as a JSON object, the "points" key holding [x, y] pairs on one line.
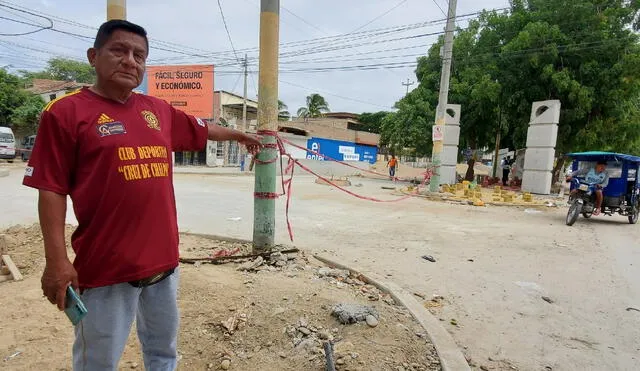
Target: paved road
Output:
{"points": [[591, 271]]}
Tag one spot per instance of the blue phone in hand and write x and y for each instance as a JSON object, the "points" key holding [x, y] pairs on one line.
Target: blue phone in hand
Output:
{"points": [[74, 308]]}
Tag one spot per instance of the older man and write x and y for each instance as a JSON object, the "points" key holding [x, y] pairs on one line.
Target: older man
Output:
{"points": [[110, 151]]}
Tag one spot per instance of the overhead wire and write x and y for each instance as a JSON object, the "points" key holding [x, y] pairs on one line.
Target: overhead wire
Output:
{"points": [[350, 36], [306, 88], [381, 15], [439, 7], [38, 29], [167, 45], [224, 21]]}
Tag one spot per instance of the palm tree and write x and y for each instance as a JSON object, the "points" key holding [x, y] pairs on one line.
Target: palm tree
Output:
{"points": [[283, 113], [316, 106]]}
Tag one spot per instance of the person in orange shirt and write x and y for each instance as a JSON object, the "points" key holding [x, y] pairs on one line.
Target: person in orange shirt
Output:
{"points": [[392, 165]]}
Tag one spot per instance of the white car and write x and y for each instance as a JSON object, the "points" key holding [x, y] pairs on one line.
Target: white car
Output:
{"points": [[7, 144]]}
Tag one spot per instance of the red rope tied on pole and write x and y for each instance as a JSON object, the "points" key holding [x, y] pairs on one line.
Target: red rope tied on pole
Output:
{"points": [[267, 195]]}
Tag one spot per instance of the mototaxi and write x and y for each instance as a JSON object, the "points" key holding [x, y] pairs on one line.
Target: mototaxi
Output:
{"points": [[621, 195]]}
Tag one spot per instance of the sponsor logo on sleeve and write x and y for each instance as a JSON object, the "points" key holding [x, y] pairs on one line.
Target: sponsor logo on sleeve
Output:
{"points": [[200, 122], [28, 171]]}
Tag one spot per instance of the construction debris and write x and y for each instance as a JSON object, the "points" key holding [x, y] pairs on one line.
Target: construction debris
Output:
{"points": [[252, 265], [14, 272], [225, 259], [353, 313]]}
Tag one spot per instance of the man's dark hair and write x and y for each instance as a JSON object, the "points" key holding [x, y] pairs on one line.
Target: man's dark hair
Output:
{"points": [[602, 163], [108, 28]]}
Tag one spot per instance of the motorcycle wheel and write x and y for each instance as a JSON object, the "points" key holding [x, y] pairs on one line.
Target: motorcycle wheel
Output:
{"points": [[573, 213], [633, 218]]}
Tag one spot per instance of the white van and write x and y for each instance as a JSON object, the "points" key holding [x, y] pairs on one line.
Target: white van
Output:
{"points": [[7, 144]]}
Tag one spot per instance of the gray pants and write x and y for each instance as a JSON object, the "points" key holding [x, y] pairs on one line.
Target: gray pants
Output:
{"points": [[102, 335]]}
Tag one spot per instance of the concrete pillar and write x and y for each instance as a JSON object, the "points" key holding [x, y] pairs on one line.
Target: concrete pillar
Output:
{"points": [[541, 147], [449, 157]]}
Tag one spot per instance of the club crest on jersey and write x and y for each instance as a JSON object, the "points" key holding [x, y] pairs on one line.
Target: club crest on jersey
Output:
{"points": [[111, 128], [151, 119]]}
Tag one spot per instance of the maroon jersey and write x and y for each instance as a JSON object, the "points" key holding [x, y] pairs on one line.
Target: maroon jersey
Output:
{"points": [[115, 162]]}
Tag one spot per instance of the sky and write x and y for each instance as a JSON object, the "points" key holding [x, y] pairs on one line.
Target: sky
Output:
{"points": [[355, 53]]}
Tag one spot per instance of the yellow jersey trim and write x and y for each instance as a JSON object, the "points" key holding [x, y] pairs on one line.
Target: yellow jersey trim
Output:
{"points": [[50, 104]]}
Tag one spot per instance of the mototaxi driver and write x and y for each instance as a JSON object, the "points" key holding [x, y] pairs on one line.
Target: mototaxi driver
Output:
{"points": [[598, 177]]}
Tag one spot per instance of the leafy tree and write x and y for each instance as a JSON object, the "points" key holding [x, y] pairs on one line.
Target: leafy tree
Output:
{"points": [[25, 118], [283, 113], [316, 106], [65, 70], [11, 96], [581, 52], [372, 122]]}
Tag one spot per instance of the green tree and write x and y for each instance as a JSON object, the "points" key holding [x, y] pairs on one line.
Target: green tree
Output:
{"points": [[11, 96], [372, 122], [25, 118], [316, 107], [65, 70], [581, 52], [283, 113]]}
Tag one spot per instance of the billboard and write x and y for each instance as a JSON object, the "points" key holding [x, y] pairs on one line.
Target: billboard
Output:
{"points": [[188, 88], [341, 150]]}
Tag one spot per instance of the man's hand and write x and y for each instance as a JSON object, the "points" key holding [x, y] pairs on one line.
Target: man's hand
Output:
{"points": [[220, 133], [251, 142], [56, 278]]}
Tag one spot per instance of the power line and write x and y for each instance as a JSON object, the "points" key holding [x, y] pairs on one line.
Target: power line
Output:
{"points": [[168, 45], [380, 16], [224, 21], [439, 7], [40, 27], [306, 88], [303, 20], [353, 36]]}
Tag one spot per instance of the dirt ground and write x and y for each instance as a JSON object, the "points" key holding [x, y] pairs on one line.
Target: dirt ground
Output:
{"points": [[276, 317], [493, 264]]}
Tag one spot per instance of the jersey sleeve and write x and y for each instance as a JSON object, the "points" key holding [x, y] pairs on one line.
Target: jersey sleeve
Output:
{"points": [[52, 160], [188, 133]]}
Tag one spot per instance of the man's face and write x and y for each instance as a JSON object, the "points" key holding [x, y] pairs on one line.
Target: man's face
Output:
{"points": [[600, 168], [121, 61]]}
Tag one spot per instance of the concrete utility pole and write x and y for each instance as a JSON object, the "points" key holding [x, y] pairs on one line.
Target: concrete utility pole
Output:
{"points": [[264, 214], [245, 126], [441, 111], [407, 84], [116, 9], [244, 103]]}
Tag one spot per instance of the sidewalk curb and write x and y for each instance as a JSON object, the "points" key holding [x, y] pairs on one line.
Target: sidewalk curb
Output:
{"points": [[451, 358]]}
